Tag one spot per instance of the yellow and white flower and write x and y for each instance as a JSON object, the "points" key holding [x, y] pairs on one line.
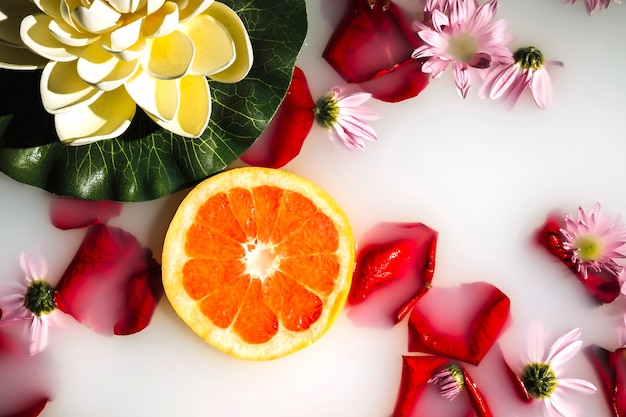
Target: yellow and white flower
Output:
{"points": [[104, 57]]}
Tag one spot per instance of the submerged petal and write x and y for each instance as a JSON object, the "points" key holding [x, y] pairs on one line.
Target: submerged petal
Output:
{"points": [[62, 89], [214, 46], [243, 47], [168, 57], [111, 263], [194, 110], [72, 213], [107, 117]]}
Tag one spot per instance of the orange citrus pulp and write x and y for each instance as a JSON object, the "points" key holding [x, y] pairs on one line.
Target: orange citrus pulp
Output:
{"points": [[258, 262]]}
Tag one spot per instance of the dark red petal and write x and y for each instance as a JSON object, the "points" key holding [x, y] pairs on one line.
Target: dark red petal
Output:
{"points": [[113, 284], [412, 272], [374, 39], [611, 368], [603, 286], [518, 384], [282, 139], [459, 323], [416, 370], [72, 213], [31, 410], [477, 399]]}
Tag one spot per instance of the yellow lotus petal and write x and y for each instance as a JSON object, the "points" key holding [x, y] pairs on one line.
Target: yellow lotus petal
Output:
{"points": [[104, 70], [162, 22], [127, 6], [35, 34], [126, 36], [154, 5], [194, 110], [168, 57], [158, 97], [67, 35], [11, 14], [107, 117], [239, 69], [49, 7], [131, 53], [63, 90], [215, 49], [193, 8], [99, 17], [20, 58], [65, 9]]}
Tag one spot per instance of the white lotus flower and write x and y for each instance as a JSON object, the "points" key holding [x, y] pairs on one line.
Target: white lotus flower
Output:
{"points": [[104, 57]]}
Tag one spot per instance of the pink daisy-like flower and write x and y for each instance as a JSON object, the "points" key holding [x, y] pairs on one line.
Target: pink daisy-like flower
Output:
{"points": [[34, 301], [541, 374], [595, 240], [450, 381], [529, 70], [591, 5], [346, 117], [466, 37]]}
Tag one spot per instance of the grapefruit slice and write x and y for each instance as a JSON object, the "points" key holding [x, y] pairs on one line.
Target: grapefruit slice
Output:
{"points": [[258, 262]]}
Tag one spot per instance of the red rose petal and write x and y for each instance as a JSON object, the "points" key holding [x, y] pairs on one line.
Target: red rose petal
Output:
{"points": [[460, 323], [416, 371], [113, 284], [611, 368], [282, 139], [388, 304], [72, 213], [32, 410], [518, 384], [603, 286], [477, 399], [374, 40], [378, 265], [24, 379]]}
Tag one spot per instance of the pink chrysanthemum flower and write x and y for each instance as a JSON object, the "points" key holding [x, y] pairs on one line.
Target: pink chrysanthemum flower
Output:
{"points": [[450, 381], [33, 301], [346, 117], [595, 240], [466, 37], [541, 374], [529, 70], [591, 5]]}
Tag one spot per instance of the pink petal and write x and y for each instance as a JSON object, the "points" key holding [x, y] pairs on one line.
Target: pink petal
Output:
{"points": [[541, 88], [70, 213], [578, 385], [461, 79], [113, 284], [564, 348], [460, 323], [282, 139]]}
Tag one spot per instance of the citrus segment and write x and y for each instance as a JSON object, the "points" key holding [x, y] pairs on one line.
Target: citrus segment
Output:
{"points": [[258, 262]]}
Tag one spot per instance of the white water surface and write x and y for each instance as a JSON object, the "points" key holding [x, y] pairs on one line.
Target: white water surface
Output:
{"points": [[483, 176]]}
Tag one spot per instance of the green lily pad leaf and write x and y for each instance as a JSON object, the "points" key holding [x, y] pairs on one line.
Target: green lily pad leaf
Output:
{"points": [[147, 162]]}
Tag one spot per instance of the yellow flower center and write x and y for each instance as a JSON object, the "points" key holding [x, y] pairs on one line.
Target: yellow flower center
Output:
{"points": [[589, 248], [462, 47]]}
